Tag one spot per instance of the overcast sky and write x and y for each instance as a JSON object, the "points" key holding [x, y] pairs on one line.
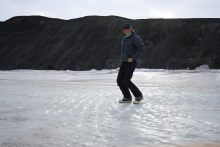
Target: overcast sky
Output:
{"points": [[133, 9]]}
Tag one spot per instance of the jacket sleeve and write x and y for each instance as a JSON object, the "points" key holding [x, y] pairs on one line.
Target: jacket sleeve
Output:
{"points": [[139, 45]]}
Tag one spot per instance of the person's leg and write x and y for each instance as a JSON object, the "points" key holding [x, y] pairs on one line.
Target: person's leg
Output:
{"points": [[129, 69], [120, 81]]}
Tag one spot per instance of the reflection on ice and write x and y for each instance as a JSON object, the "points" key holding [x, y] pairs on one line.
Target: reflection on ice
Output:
{"points": [[80, 108]]}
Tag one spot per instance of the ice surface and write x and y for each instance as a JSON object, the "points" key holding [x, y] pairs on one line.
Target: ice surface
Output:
{"points": [[80, 108]]}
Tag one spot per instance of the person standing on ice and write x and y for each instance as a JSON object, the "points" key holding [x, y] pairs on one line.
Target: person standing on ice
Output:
{"points": [[132, 47]]}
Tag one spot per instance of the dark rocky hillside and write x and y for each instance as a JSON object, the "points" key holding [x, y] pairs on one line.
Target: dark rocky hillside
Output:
{"points": [[93, 42]]}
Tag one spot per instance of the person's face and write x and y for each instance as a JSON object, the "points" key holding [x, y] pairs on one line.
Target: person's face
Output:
{"points": [[127, 31]]}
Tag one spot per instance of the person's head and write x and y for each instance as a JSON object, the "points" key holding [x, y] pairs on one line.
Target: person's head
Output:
{"points": [[127, 29]]}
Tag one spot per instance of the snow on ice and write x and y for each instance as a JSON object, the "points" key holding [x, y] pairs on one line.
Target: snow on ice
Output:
{"points": [[80, 108]]}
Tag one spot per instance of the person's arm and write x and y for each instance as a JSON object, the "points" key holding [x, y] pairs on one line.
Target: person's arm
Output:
{"points": [[138, 43]]}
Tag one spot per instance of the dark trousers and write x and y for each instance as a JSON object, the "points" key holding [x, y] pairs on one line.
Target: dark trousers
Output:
{"points": [[124, 80]]}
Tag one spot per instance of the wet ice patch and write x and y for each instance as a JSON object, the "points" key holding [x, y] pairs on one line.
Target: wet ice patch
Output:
{"points": [[92, 72], [60, 108]]}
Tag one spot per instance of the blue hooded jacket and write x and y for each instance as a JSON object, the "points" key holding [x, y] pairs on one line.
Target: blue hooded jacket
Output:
{"points": [[132, 47]]}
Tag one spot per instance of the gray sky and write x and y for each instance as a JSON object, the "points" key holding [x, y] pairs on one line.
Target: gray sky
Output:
{"points": [[133, 9]]}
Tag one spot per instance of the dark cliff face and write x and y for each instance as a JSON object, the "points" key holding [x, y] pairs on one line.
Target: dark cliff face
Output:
{"points": [[93, 42]]}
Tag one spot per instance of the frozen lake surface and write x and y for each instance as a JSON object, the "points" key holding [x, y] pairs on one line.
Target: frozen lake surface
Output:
{"points": [[68, 108]]}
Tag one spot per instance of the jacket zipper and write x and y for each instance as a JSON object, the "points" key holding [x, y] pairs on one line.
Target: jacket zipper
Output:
{"points": [[123, 49]]}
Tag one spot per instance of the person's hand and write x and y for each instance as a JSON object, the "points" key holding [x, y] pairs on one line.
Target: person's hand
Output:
{"points": [[129, 60]]}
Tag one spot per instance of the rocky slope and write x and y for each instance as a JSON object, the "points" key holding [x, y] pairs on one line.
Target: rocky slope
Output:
{"points": [[93, 42]]}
